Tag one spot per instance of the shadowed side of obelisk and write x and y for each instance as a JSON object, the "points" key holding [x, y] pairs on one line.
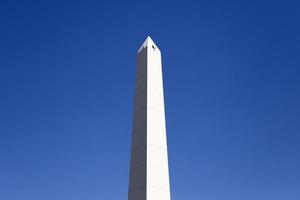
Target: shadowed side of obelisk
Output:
{"points": [[138, 167]]}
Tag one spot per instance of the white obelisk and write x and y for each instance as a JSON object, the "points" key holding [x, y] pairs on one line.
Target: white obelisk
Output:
{"points": [[149, 171]]}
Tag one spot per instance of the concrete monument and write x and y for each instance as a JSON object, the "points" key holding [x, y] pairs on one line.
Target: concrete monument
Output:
{"points": [[149, 171]]}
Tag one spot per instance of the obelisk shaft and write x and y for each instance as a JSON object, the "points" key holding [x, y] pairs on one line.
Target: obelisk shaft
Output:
{"points": [[149, 173]]}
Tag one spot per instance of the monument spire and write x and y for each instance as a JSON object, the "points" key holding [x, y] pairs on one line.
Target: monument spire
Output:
{"points": [[149, 171], [147, 42]]}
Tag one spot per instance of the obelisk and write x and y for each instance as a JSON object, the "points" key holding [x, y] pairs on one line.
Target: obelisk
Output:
{"points": [[149, 171]]}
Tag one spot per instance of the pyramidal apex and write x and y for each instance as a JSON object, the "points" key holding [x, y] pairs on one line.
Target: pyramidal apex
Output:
{"points": [[148, 43]]}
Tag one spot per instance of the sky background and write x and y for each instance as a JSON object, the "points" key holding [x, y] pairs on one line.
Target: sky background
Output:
{"points": [[232, 93]]}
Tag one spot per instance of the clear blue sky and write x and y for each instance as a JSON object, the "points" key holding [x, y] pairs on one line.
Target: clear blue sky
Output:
{"points": [[232, 92]]}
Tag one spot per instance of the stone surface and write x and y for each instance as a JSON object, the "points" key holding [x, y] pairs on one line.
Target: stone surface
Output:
{"points": [[149, 171]]}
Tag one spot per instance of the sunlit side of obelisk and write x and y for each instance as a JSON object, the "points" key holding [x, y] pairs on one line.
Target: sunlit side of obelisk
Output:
{"points": [[149, 171]]}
